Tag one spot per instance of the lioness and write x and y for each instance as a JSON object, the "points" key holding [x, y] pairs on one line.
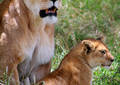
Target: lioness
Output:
{"points": [[27, 38], [76, 67]]}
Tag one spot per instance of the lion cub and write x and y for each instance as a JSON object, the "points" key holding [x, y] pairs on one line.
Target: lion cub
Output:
{"points": [[76, 67]]}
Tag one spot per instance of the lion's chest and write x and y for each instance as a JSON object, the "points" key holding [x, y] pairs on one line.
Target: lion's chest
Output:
{"points": [[38, 52], [44, 50]]}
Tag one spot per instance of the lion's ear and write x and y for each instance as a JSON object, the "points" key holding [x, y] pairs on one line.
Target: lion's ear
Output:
{"points": [[88, 46]]}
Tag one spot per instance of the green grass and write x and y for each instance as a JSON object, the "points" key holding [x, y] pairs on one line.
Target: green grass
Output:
{"points": [[80, 19], [1, 0]]}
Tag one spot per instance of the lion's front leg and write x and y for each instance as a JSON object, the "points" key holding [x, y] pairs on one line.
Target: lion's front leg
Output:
{"points": [[12, 70]]}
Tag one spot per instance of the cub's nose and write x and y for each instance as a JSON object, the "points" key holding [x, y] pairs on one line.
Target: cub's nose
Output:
{"points": [[112, 60]]}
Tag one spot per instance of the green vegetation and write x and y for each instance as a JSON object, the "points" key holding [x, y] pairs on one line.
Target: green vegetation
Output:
{"points": [[1, 0], [80, 19]]}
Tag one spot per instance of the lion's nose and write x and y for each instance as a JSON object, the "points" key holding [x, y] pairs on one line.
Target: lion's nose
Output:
{"points": [[112, 60], [53, 0]]}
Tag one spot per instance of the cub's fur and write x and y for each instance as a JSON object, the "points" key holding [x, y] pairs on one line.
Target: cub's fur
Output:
{"points": [[76, 67], [27, 38]]}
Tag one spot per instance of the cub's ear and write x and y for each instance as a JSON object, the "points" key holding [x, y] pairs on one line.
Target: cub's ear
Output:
{"points": [[88, 46], [100, 38], [42, 83]]}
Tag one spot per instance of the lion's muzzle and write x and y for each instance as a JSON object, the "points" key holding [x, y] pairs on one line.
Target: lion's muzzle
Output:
{"points": [[48, 12]]}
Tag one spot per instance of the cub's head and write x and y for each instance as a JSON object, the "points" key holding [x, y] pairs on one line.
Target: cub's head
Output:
{"points": [[96, 53], [44, 9]]}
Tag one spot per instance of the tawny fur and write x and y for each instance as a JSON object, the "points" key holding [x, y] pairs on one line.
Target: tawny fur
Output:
{"points": [[76, 67], [25, 40]]}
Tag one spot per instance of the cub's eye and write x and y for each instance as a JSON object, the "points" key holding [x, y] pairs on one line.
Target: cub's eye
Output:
{"points": [[103, 51]]}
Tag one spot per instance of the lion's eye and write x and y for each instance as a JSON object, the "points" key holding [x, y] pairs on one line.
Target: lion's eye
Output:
{"points": [[103, 51]]}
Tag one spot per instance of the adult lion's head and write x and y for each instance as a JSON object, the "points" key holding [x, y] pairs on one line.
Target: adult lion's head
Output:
{"points": [[44, 9]]}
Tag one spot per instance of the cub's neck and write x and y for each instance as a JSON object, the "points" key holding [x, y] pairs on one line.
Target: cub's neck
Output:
{"points": [[74, 66]]}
